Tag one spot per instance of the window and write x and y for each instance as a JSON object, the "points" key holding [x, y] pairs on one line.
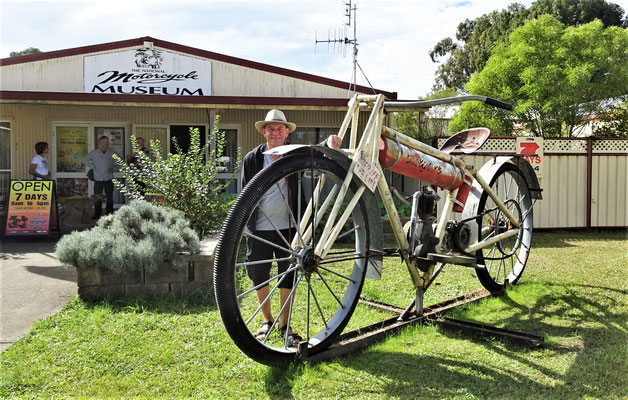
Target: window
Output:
{"points": [[229, 155], [309, 135]]}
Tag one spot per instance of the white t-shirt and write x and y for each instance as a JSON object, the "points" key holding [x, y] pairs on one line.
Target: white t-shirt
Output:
{"points": [[42, 165], [273, 205]]}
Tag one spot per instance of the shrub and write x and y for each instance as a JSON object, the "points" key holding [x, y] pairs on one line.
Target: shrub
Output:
{"points": [[184, 181], [138, 236]]}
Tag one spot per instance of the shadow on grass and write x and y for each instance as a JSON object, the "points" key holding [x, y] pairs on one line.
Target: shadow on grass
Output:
{"points": [[584, 320], [196, 303], [278, 381], [586, 338]]}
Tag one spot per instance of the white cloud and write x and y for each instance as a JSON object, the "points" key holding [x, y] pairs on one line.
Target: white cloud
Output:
{"points": [[394, 37]]}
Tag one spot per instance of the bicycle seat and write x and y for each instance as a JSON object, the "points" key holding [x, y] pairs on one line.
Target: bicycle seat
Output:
{"points": [[467, 141]]}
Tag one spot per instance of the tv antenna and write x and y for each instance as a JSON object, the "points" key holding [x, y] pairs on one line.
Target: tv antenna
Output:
{"points": [[340, 41]]}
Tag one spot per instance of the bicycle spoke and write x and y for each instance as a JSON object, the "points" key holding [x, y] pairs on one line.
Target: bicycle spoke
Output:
{"points": [[283, 307], [490, 257], [499, 268], [261, 285], [285, 340], [319, 307], [291, 214], [249, 263], [268, 242], [348, 232], [336, 273], [265, 300], [330, 291], [274, 227], [342, 256], [307, 326]]}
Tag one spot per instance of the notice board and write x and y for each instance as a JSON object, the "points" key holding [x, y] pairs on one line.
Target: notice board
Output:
{"points": [[30, 208]]}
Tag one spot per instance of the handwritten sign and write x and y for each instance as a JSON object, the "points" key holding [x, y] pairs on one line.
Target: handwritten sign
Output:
{"points": [[532, 150], [366, 171], [29, 208]]}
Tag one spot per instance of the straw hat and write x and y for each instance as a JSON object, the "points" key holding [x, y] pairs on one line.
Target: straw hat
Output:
{"points": [[275, 116]]}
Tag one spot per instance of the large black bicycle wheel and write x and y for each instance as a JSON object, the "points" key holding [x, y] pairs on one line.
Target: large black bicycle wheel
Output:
{"points": [[506, 259], [325, 289]]}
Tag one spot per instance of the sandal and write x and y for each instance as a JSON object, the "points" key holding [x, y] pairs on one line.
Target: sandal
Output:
{"points": [[293, 338], [262, 332]]}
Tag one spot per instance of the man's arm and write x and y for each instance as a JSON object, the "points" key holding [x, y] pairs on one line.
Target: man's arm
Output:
{"points": [[88, 159]]}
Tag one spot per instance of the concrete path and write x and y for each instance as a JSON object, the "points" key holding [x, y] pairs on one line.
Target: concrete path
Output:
{"points": [[33, 285]]}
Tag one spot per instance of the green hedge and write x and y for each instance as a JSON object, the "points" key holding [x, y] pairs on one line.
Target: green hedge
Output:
{"points": [[138, 236]]}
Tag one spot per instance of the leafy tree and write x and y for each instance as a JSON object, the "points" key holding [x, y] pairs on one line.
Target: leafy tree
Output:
{"points": [[614, 122], [477, 38], [185, 181], [25, 52], [431, 125], [556, 76]]}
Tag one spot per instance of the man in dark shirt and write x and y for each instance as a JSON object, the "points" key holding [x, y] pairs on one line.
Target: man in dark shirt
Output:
{"points": [[275, 216]]}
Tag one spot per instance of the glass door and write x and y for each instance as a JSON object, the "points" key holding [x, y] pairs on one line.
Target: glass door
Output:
{"points": [[70, 146]]}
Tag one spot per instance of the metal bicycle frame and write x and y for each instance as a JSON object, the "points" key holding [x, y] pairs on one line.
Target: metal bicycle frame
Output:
{"points": [[368, 145]]}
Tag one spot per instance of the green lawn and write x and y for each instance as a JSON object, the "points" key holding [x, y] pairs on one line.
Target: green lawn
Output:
{"points": [[574, 292]]}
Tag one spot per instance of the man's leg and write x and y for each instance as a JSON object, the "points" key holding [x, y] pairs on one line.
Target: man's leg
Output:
{"points": [[262, 294], [98, 187], [288, 282], [257, 251], [109, 194]]}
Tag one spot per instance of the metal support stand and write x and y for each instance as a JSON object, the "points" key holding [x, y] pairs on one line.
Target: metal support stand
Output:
{"points": [[418, 300], [356, 340]]}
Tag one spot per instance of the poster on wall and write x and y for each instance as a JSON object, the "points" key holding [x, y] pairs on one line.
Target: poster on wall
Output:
{"points": [[147, 70], [30, 208], [116, 139], [71, 148], [531, 148]]}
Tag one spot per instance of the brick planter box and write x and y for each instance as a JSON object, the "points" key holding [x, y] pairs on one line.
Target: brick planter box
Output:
{"points": [[97, 284]]}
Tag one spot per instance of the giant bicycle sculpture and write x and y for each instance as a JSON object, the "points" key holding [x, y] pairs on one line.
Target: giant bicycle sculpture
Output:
{"points": [[485, 223]]}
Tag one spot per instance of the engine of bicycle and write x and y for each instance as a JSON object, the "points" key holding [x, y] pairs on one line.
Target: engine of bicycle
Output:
{"points": [[419, 230]]}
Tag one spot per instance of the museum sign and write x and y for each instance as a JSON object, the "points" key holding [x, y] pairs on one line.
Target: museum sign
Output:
{"points": [[147, 71]]}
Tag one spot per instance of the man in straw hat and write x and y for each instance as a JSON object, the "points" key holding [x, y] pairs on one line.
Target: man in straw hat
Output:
{"points": [[275, 129]]}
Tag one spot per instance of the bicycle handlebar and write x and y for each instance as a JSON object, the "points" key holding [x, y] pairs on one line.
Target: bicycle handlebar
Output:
{"points": [[411, 105]]}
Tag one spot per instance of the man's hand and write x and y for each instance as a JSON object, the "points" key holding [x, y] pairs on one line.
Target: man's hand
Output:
{"points": [[334, 142]]}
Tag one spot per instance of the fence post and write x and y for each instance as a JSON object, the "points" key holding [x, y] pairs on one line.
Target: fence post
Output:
{"points": [[589, 179]]}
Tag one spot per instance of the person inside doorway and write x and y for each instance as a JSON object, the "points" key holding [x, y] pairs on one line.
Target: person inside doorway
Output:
{"points": [[39, 165], [275, 129], [102, 162]]}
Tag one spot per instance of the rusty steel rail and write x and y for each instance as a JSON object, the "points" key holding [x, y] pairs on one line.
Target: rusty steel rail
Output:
{"points": [[358, 339]]}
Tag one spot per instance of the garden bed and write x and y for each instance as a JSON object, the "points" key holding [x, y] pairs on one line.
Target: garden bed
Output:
{"points": [[100, 283]]}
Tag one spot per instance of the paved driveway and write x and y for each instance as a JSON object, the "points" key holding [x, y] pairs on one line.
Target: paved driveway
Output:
{"points": [[33, 285]]}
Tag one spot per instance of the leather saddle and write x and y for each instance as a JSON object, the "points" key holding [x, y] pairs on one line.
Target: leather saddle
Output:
{"points": [[466, 141]]}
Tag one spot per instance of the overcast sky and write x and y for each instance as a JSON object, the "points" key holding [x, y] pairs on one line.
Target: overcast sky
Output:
{"points": [[394, 36]]}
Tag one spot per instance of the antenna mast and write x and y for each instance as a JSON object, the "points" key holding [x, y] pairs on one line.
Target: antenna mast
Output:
{"points": [[342, 42]]}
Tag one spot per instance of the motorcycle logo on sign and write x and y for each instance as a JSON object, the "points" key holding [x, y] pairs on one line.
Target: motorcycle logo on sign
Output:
{"points": [[532, 150], [148, 58]]}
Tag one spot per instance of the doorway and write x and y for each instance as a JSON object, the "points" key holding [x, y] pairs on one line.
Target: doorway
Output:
{"points": [[182, 135]]}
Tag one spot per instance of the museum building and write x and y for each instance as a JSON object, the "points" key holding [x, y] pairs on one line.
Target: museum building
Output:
{"points": [[152, 89]]}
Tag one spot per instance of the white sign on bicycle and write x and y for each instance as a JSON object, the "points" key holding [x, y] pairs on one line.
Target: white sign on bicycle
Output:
{"points": [[366, 171]]}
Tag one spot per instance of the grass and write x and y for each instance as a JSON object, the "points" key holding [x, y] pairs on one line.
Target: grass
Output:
{"points": [[574, 292]]}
